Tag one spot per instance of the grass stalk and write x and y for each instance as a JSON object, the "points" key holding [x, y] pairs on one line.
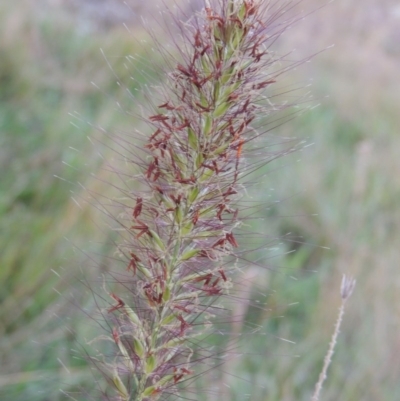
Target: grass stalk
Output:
{"points": [[346, 290]]}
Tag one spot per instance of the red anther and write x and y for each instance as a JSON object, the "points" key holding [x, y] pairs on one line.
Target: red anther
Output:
{"points": [[205, 79], [185, 181], [218, 66], [222, 273], [184, 325], [182, 69], [159, 117], [176, 199], [183, 125], [221, 208], [156, 175], [258, 57], [179, 373], [161, 144], [211, 291], [241, 128], [150, 169], [164, 271], [207, 277], [167, 106], [144, 229], [209, 167], [154, 135], [157, 390], [239, 148], [159, 299], [237, 20], [115, 335], [232, 97], [231, 239], [177, 378], [190, 180], [133, 263], [120, 304], [205, 254], [197, 39], [149, 146], [196, 83], [220, 242], [158, 189], [183, 95], [203, 108], [220, 20], [149, 295], [205, 48], [244, 108], [155, 211], [250, 8], [155, 259], [249, 120], [215, 282], [141, 233], [262, 85], [230, 191], [195, 217], [138, 207], [216, 169], [140, 226], [182, 308]]}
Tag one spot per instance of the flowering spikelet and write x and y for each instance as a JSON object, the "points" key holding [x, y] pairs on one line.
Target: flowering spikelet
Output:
{"points": [[181, 227]]}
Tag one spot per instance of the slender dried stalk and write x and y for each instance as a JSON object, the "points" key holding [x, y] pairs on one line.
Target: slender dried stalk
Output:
{"points": [[181, 226], [346, 290]]}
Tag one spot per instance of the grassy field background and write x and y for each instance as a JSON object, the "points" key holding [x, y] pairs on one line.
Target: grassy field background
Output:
{"points": [[341, 193]]}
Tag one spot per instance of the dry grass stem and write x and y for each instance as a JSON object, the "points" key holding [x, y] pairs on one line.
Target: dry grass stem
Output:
{"points": [[346, 289]]}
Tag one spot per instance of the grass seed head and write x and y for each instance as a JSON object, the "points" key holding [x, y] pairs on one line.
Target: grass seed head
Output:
{"points": [[180, 229]]}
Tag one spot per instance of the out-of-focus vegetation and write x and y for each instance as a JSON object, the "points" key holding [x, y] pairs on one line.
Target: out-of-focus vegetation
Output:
{"points": [[343, 195]]}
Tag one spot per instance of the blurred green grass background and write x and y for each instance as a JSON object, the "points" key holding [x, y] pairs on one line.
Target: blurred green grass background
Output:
{"points": [[345, 192]]}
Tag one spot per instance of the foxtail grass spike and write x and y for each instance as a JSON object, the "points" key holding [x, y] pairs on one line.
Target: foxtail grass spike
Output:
{"points": [[182, 226]]}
